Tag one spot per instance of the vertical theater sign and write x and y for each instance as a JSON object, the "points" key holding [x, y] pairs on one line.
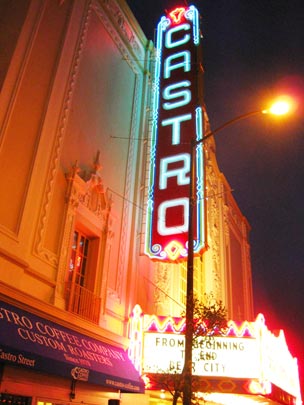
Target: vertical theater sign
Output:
{"points": [[177, 120]]}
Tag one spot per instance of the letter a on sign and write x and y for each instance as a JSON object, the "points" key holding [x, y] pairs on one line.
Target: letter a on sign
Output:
{"points": [[177, 119]]}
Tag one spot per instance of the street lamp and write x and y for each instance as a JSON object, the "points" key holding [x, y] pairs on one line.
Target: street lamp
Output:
{"points": [[280, 107]]}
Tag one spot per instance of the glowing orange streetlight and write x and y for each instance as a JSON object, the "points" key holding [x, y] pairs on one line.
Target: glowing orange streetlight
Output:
{"points": [[281, 106]]}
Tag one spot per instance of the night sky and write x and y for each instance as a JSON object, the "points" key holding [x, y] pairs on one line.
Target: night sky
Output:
{"points": [[253, 51]]}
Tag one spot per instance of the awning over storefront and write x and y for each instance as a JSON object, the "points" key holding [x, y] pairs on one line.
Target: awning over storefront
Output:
{"points": [[30, 341]]}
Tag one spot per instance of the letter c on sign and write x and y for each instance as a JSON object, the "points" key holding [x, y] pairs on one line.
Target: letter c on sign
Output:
{"points": [[171, 43]]}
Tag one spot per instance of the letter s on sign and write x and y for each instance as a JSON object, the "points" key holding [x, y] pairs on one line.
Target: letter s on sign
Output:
{"points": [[176, 91]]}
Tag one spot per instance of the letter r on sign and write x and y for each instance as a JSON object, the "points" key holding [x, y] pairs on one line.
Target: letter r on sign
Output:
{"points": [[180, 173]]}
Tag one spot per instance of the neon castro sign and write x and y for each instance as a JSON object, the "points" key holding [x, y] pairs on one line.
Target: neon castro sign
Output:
{"points": [[177, 118]]}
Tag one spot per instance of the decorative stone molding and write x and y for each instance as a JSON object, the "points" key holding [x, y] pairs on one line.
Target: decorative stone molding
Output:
{"points": [[162, 282], [122, 23], [95, 201], [226, 223], [213, 225], [91, 194], [119, 29], [133, 53], [39, 248]]}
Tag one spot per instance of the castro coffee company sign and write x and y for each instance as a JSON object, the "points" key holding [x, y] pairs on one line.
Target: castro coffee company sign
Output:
{"points": [[177, 119], [30, 341]]}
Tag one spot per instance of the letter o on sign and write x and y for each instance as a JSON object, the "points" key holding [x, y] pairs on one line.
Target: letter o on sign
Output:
{"points": [[162, 228]]}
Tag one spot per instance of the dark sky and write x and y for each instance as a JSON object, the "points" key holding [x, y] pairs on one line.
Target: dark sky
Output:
{"points": [[254, 50]]}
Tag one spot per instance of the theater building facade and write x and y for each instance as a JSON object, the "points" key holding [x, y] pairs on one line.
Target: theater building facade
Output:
{"points": [[82, 241]]}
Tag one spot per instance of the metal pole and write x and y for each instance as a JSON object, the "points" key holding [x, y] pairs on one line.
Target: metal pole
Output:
{"points": [[189, 293], [187, 372]]}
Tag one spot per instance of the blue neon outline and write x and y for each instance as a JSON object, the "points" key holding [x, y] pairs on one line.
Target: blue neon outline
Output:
{"points": [[162, 25], [200, 206], [193, 15]]}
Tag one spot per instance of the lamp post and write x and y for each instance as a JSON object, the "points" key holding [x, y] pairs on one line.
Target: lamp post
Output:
{"points": [[280, 107]]}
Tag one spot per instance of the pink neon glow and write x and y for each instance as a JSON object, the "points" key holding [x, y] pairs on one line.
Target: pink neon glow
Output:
{"points": [[169, 324], [163, 324]]}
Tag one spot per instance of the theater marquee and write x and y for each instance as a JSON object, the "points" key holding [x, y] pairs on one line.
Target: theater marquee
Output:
{"points": [[177, 119], [214, 356], [247, 356]]}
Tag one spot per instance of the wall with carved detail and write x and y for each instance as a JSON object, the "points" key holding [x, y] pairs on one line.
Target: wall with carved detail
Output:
{"points": [[74, 112], [73, 123]]}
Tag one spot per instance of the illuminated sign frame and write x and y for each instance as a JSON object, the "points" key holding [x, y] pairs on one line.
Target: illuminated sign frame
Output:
{"points": [[177, 119], [244, 351]]}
